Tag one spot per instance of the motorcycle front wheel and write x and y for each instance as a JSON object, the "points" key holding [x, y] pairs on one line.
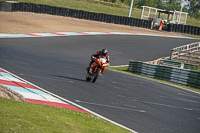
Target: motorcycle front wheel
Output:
{"points": [[96, 75]]}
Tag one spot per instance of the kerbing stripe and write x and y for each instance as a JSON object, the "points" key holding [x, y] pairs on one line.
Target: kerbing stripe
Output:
{"points": [[5, 74], [2, 35], [59, 34], [2, 71], [58, 105], [33, 95], [9, 78], [40, 97], [27, 90], [17, 84], [33, 34], [84, 33]]}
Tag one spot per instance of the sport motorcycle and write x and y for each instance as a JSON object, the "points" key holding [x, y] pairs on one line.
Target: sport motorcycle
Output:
{"points": [[97, 69]]}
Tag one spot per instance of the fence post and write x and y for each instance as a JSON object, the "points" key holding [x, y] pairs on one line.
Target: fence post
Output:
{"points": [[172, 54]]}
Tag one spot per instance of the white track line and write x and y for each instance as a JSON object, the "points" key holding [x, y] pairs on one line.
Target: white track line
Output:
{"points": [[140, 76]]}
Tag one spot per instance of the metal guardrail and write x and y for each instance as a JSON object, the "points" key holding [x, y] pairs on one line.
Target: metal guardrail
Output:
{"points": [[177, 64], [185, 49], [173, 74], [186, 56]]}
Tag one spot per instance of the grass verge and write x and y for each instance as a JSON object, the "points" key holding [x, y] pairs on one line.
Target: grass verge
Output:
{"points": [[125, 70], [193, 36], [26, 117]]}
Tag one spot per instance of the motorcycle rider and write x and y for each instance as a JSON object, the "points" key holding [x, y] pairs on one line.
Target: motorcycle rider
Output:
{"points": [[102, 53]]}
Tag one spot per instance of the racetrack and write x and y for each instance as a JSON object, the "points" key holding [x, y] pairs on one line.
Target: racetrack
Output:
{"points": [[58, 64]]}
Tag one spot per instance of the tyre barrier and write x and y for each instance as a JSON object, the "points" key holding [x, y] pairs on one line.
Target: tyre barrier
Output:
{"points": [[182, 28], [45, 9], [188, 29], [168, 73]]}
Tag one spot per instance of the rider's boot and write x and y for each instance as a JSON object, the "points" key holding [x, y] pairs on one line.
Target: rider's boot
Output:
{"points": [[88, 68], [91, 70]]}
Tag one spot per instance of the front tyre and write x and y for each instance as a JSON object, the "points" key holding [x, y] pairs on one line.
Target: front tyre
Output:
{"points": [[96, 75]]}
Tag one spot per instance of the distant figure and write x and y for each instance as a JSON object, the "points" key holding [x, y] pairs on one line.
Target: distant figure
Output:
{"points": [[161, 24]]}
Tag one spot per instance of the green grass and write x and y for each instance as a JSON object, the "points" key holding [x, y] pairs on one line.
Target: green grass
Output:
{"points": [[196, 68], [125, 70], [87, 5], [24, 117], [193, 22], [193, 36]]}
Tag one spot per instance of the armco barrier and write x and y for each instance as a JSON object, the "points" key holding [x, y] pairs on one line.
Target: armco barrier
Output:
{"points": [[173, 74], [177, 64], [185, 49], [45, 9]]}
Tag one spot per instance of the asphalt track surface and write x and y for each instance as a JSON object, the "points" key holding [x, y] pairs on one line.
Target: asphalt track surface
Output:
{"points": [[58, 64]]}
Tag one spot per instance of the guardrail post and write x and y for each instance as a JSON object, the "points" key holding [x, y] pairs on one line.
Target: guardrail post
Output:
{"points": [[172, 54]]}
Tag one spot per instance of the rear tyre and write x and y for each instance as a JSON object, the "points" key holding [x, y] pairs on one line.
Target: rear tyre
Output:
{"points": [[96, 75]]}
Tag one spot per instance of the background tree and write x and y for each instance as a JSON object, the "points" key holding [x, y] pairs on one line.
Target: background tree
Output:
{"points": [[172, 5], [193, 7], [151, 3], [160, 4]]}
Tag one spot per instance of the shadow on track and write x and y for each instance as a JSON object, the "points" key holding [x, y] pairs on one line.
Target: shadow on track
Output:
{"points": [[64, 77]]}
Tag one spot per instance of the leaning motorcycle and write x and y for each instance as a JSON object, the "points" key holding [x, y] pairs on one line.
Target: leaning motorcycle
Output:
{"points": [[96, 69]]}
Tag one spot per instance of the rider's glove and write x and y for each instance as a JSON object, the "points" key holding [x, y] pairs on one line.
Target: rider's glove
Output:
{"points": [[93, 58], [107, 60]]}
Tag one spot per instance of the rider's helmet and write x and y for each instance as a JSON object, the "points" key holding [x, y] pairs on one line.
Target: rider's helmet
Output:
{"points": [[104, 52]]}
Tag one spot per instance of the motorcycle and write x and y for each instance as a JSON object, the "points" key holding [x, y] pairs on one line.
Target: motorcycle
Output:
{"points": [[97, 69]]}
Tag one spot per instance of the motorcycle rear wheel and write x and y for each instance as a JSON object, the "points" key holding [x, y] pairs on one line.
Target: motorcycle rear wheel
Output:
{"points": [[96, 75]]}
